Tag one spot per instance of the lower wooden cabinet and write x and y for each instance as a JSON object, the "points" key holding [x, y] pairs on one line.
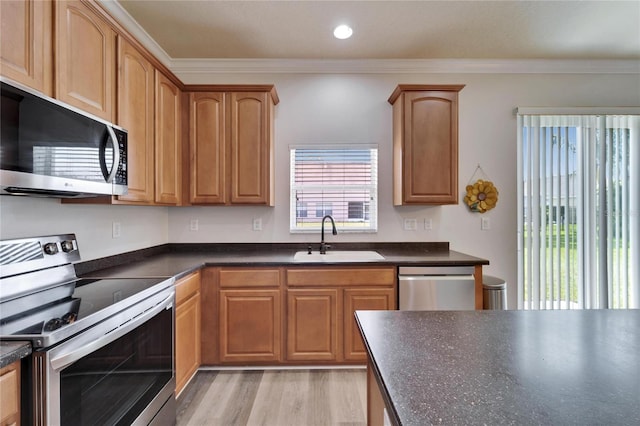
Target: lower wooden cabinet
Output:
{"points": [[10, 394], [250, 325], [289, 316], [250, 315], [364, 299], [187, 329], [320, 310], [312, 324]]}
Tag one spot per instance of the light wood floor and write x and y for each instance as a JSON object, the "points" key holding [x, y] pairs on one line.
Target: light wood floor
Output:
{"points": [[274, 398]]}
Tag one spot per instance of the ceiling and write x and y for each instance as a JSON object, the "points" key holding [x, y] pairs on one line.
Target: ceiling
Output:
{"points": [[508, 29]]}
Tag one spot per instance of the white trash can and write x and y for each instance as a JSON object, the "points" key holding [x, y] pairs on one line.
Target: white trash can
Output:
{"points": [[494, 293]]}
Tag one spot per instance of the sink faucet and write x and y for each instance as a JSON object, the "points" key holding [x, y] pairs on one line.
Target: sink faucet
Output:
{"points": [[324, 246]]}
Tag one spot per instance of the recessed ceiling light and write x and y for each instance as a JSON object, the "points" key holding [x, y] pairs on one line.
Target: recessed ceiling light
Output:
{"points": [[342, 32]]}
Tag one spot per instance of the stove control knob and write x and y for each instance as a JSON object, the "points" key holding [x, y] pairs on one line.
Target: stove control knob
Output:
{"points": [[53, 324], [51, 248], [69, 317], [67, 246]]}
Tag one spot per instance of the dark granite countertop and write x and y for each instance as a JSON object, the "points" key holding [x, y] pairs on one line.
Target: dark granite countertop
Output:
{"points": [[176, 260], [506, 367], [11, 352]]}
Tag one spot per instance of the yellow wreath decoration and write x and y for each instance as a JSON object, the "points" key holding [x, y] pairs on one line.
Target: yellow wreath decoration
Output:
{"points": [[482, 196]]}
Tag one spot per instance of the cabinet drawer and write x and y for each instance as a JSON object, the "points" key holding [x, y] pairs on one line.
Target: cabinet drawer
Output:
{"points": [[186, 287], [249, 278], [341, 276]]}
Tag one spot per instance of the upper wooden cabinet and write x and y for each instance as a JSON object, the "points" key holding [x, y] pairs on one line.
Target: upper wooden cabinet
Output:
{"points": [[207, 148], [425, 144], [231, 144], [85, 60], [168, 166], [25, 43], [136, 93]]}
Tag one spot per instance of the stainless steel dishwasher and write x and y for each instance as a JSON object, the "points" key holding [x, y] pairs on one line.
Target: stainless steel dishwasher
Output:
{"points": [[436, 288]]}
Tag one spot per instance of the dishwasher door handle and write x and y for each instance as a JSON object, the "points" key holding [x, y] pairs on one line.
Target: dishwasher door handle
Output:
{"points": [[435, 277]]}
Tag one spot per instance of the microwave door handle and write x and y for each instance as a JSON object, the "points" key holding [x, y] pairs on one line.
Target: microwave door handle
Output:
{"points": [[116, 155]]}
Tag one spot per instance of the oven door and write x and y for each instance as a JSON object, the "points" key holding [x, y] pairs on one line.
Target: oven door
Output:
{"points": [[119, 372]]}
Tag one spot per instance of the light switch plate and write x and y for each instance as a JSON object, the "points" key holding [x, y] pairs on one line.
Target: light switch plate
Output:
{"points": [[428, 224], [257, 224], [485, 223]]}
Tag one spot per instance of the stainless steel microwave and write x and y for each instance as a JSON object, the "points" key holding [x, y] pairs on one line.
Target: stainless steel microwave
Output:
{"points": [[48, 148]]}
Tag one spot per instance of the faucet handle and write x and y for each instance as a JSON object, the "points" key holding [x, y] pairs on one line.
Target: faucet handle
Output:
{"points": [[309, 249]]}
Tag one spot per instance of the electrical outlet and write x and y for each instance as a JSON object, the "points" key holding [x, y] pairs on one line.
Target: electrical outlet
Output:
{"points": [[485, 223], [193, 225], [410, 224], [115, 230], [257, 224], [428, 224]]}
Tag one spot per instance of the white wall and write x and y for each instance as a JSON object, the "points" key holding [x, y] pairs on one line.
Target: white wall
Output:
{"points": [[348, 108], [140, 227]]}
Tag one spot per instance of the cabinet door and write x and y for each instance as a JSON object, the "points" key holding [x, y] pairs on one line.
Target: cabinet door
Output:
{"points": [[251, 148], [425, 144], [10, 394], [85, 59], [209, 317], [25, 43], [362, 299], [207, 145], [168, 166], [313, 325], [135, 113], [187, 340], [250, 325], [431, 147]]}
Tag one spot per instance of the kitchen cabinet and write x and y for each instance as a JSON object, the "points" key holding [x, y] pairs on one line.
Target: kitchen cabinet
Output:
{"points": [[207, 148], [363, 299], [10, 394], [231, 144], [168, 147], [85, 59], [425, 144], [310, 320], [26, 49], [136, 92], [321, 306], [187, 346], [313, 316], [250, 315]]}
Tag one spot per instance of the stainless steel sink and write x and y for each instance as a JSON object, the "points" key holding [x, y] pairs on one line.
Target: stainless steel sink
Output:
{"points": [[338, 256]]}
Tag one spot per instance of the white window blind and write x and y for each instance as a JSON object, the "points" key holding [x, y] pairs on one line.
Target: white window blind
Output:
{"points": [[334, 180], [578, 211]]}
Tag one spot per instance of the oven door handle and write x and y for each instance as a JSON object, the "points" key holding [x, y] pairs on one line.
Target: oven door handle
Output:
{"points": [[67, 358]]}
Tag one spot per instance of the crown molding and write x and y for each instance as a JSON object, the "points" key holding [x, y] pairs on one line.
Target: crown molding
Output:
{"points": [[191, 66], [123, 17], [404, 66]]}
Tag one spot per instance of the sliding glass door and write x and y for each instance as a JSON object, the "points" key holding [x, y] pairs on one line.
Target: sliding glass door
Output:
{"points": [[578, 211]]}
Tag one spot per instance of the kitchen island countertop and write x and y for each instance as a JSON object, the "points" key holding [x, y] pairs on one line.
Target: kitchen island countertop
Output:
{"points": [[506, 367]]}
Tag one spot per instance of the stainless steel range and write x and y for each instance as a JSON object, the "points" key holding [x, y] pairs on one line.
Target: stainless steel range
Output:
{"points": [[102, 348]]}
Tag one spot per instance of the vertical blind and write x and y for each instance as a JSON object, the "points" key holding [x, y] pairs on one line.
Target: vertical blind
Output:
{"points": [[334, 180], [578, 204]]}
